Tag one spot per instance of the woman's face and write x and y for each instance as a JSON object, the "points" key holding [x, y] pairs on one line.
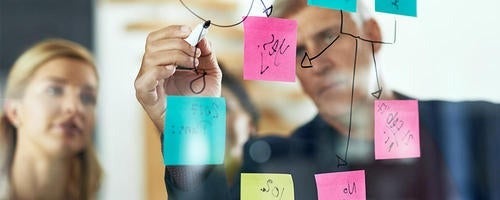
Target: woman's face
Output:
{"points": [[57, 111]]}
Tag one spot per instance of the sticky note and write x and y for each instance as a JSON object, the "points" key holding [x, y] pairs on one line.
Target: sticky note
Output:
{"points": [[341, 185], [264, 186], [400, 7], [397, 133], [195, 130], [347, 5], [270, 49]]}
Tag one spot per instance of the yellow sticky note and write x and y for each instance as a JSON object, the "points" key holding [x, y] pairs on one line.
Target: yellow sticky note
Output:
{"points": [[266, 186]]}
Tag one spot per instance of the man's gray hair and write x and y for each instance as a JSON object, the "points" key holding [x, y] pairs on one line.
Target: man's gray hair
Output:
{"points": [[287, 8]]}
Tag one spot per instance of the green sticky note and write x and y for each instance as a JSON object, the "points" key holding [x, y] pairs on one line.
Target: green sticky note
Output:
{"points": [[347, 5], [400, 7], [266, 186], [195, 131]]}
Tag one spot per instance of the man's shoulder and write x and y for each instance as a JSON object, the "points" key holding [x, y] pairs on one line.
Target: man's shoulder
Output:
{"points": [[273, 152], [469, 109], [314, 126], [476, 110]]}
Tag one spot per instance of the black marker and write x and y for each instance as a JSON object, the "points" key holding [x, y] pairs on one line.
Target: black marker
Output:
{"points": [[195, 37]]}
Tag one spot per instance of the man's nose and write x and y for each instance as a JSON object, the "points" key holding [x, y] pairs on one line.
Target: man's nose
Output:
{"points": [[322, 62], [72, 103]]}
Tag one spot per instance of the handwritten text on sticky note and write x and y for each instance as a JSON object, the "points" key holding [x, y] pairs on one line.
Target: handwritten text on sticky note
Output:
{"points": [[341, 185], [266, 186], [400, 7], [270, 46], [396, 129], [195, 130], [347, 5]]}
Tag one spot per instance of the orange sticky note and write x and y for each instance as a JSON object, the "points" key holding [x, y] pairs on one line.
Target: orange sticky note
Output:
{"points": [[341, 185], [396, 129], [270, 49]]}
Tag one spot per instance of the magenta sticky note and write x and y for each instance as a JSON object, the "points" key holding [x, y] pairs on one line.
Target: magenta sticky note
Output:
{"points": [[397, 133], [270, 47], [347, 185]]}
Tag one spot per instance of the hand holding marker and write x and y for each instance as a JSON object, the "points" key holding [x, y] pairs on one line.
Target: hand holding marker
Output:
{"points": [[195, 37]]}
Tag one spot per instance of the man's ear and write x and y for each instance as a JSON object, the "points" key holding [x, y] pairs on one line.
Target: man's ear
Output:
{"points": [[11, 108], [372, 32]]}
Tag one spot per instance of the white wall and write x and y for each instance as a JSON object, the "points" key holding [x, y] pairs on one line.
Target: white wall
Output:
{"points": [[120, 132], [450, 51]]}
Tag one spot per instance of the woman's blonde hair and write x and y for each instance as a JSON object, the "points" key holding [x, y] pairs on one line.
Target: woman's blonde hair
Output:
{"points": [[85, 171]]}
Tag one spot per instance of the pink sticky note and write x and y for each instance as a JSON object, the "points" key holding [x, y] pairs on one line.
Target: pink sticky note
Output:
{"points": [[397, 132], [341, 185], [270, 47]]}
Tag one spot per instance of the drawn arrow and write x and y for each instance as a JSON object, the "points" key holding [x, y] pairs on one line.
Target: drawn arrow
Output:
{"points": [[341, 162], [377, 93], [307, 61], [262, 64], [262, 71], [364, 39], [268, 10]]}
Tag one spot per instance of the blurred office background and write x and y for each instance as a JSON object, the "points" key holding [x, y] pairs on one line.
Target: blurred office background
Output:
{"points": [[447, 52]]}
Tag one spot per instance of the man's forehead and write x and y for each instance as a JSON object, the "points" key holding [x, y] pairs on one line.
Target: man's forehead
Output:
{"points": [[313, 19]]}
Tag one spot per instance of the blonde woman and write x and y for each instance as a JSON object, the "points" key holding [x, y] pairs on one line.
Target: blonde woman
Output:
{"points": [[46, 127]]}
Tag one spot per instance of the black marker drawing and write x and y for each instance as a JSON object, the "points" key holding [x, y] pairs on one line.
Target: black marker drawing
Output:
{"points": [[307, 63], [394, 126], [267, 10], [197, 71], [275, 191], [395, 3], [377, 93], [348, 190], [341, 162], [363, 39], [275, 50], [262, 64], [221, 25]]}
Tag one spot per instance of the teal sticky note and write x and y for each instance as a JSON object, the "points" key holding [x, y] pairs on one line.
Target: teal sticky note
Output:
{"points": [[347, 5], [400, 7], [195, 131]]}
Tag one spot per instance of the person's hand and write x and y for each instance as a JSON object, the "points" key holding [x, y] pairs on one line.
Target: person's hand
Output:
{"points": [[158, 77]]}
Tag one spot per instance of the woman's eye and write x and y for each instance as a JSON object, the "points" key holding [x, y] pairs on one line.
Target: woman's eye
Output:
{"points": [[88, 99], [55, 90]]}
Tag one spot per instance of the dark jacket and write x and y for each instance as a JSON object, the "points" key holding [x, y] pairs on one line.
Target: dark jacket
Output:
{"points": [[458, 143]]}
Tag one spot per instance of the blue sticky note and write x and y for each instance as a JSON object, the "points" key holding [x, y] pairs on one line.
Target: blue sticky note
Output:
{"points": [[195, 131], [400, 7], [347, 5]]}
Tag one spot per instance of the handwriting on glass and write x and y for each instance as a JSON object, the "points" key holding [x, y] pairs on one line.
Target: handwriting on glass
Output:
{"points": [[272, 189], [208, 110], [274, 47], [395, 4], [396, 132], [350, 190]]}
